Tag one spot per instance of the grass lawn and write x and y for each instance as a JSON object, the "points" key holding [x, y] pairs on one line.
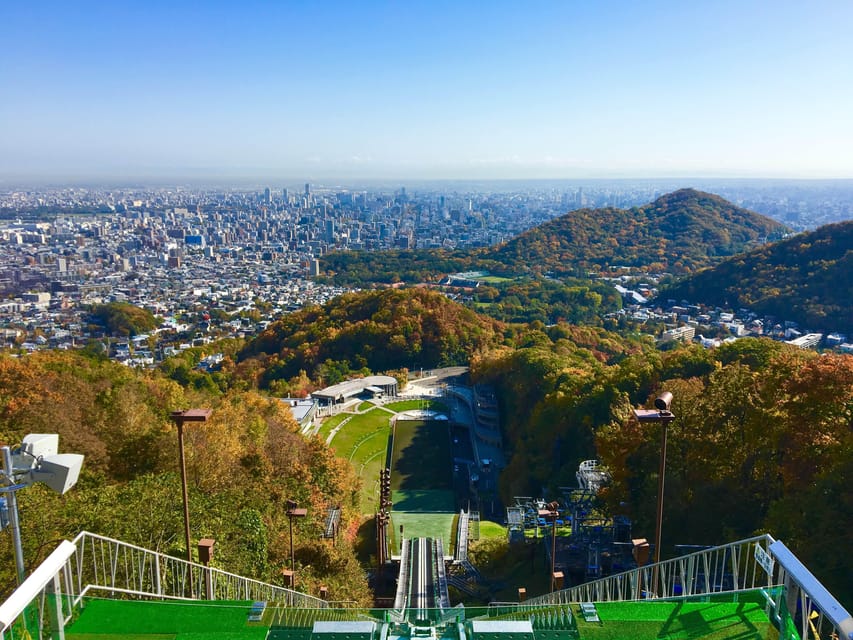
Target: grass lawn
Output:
{"points": [[368, 470], [494, 279], [364, 442], [364, 406], [329, 424], [360, 427], [545, 532], [489, 529]]}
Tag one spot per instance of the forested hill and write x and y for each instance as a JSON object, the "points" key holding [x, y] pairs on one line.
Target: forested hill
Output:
{"points": [[370, 331], [679, 232], [807, 278]]}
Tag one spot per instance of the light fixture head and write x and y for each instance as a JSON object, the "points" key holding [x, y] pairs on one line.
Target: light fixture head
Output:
{"points": [[664, 401], [59, 472], [40, 444]]}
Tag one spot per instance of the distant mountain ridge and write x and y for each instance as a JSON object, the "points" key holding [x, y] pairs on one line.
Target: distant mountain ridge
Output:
{"points": [[807, 278], [679, 232]]}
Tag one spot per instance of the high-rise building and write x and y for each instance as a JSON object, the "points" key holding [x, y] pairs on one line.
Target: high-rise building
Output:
{"points": [[307, 188]]}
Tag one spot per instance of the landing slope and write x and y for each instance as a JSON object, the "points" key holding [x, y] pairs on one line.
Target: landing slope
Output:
{"points": [[422, 479]]}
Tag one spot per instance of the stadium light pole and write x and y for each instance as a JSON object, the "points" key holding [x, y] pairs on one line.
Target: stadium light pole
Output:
{"points": [[293, 512], [181, 417], [662, 415]]}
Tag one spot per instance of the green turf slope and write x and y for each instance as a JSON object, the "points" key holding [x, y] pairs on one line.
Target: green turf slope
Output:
{"points": [[144, 620], [678, 621]]}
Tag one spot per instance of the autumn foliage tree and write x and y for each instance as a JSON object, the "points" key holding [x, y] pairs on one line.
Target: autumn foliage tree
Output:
{"points": [[243, 464], [762, 440]]}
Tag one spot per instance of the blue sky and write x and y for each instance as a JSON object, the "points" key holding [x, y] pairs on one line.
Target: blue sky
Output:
{"points": [[426, 89]]}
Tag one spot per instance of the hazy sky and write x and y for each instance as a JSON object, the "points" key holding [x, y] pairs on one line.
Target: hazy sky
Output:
{"points": [[570, 88]]}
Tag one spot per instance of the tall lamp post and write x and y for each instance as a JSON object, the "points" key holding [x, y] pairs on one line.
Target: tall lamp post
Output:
{"points": [[293, 512], [662, 415], [180, 417], [552, 512]]}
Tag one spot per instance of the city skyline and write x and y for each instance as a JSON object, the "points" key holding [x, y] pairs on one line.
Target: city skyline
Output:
{"points": [[432, 91]]}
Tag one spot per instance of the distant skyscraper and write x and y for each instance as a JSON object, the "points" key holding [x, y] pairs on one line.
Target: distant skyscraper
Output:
{"points": [[307, 189], [267, 195], [284, 194]]}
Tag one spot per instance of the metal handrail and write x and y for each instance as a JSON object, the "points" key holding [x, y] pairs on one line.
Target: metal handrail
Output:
{"points": [[98, 563], [759, 562], [105, 563], [729, 567]]}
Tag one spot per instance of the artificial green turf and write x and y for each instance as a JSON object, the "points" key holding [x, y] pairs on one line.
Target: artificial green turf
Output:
{"points": [[120, 636], [363, 440], [220, 620], [421, 457], [421, 481], [677, 621], [422, 525], [425, 501]]}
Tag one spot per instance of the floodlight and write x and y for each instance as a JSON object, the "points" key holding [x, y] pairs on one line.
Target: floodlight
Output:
{"points": [[664, 401], [59, 472], [34, 446], [41, 444], [36, 460]]}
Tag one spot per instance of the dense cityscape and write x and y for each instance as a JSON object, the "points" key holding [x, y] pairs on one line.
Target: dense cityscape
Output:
{"points": [[224, 263]]}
